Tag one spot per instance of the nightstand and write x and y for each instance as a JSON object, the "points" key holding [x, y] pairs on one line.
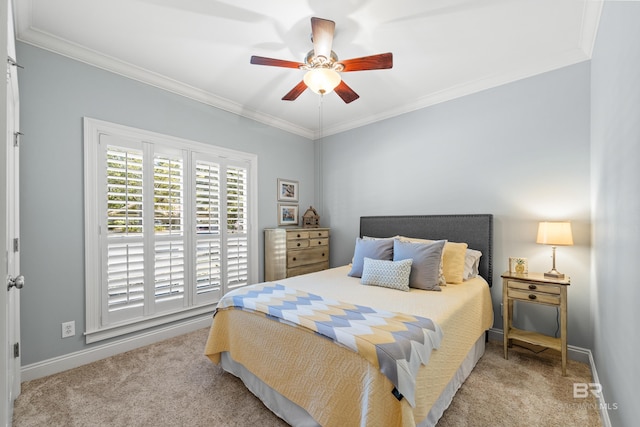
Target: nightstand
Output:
{"points": [[535, 288]]}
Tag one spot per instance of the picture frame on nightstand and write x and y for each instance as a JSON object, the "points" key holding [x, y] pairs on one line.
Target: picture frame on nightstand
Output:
{"points": [[518, 265]]}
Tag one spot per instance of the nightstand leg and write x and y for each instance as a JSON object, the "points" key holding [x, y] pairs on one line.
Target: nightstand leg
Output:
{"points": [[563, 328]]}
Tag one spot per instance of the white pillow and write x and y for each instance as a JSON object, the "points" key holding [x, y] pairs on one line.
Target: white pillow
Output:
{"points": [[388, 274], [471, 263]]}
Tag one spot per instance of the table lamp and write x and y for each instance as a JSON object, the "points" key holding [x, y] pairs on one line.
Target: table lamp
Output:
{"points": [[555, 233]]}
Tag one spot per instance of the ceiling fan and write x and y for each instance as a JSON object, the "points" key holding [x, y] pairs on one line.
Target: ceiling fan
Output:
{"points": [[323, 67]]}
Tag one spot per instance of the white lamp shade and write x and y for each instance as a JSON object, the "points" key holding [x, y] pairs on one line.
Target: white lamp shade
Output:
{"points": [[556, 233], [322, 80]]}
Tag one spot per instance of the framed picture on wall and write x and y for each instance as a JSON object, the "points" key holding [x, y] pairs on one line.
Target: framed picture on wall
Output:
{"points": [[287, 190], [287, 214]]}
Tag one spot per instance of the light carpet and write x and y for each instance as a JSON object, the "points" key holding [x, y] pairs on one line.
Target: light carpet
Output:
{"points": [[172, 383]]}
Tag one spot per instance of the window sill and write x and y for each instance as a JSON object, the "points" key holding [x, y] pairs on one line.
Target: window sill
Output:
{"points": [[146, 323]]}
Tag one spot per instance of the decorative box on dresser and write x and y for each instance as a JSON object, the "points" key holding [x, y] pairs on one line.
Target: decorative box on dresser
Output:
{"points": [[535, 288], [291, 252]]}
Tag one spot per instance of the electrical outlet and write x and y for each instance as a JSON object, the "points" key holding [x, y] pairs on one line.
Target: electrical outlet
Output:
{"points": [[68, 329]]}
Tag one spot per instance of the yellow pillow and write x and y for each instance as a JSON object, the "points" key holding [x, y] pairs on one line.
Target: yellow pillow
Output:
{"points": [[452, 265], [453, 261]]}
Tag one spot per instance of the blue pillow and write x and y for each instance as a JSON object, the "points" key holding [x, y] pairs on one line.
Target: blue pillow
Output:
{"points": [[425, 270], [374, 249]]}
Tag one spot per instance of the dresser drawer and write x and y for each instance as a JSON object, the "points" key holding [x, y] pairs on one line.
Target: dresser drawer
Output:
{"points": [[305, 269], [537, 287], [318, 242], [297, 244], [533, 296], [307, 256], [318, 233], [292, 235]]}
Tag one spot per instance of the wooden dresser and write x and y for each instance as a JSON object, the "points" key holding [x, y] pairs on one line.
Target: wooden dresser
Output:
{"points": [[291, 252]]}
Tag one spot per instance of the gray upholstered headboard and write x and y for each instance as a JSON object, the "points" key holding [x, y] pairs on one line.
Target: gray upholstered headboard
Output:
{"points": [[474, 229]]}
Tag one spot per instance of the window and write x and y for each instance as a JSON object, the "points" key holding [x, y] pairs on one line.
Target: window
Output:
{"points": [[169, 227]]}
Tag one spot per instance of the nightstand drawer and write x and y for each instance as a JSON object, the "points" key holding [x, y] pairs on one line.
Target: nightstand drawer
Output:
{"points": [[532, 296], [536, 287]]}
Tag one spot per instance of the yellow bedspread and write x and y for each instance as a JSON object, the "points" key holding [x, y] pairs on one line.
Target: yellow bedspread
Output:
{"points": [[334, 385]]}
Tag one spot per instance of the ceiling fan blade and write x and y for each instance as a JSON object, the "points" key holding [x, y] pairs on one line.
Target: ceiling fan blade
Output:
{"points": [[261, 60], [373, 62], [295, 92], [322, 33], [346, 93]]}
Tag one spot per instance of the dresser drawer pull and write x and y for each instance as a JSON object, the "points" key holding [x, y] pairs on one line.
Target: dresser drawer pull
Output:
{"points": [[532, 296], [298, 243], [319, 242], [294, 258], [533, 287], [298, 235], [322, 253]]}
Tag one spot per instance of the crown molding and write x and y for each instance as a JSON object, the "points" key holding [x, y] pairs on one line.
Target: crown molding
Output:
{"points": [[79, 53]]}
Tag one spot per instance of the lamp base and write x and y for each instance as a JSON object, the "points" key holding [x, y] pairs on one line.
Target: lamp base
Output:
{"points": [[554, 274]]}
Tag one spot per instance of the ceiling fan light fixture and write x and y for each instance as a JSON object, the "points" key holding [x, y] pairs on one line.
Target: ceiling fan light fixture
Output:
{"points": [[322, 80]]}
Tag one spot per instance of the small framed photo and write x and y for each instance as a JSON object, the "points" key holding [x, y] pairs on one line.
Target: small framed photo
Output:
{"points": [[287, 190], [518, 265], [287, 214]]}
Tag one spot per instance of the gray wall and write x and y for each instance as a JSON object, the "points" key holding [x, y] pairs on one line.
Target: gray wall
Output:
{"points": [[56, 92], [616, 200], [519, 151]]}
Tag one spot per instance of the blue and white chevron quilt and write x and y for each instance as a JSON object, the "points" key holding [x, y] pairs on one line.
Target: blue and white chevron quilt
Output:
{"points": [[395, 343]]}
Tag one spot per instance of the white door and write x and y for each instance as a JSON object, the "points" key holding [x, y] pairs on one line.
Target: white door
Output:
{"points": [[14, 280]]}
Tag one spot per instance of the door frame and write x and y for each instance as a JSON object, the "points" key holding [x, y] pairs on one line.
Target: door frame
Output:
{"points": [[9, 198]]}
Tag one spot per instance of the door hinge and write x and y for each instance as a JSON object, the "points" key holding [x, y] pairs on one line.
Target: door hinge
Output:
{"points": [[16, 138], [13, 62], [16, 245], [16, 350]]}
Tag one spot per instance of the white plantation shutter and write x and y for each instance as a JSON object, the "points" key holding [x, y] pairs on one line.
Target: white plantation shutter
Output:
{"points": [[208, 234], [169, 231], [168, 227], [237, 241], [124, 225]]}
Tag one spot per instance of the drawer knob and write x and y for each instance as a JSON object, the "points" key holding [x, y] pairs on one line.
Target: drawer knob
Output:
{"points": [[298, 243], [298, 235], [322, 253], [294, 258], [532, 296], [533, 287], [319, 243]]}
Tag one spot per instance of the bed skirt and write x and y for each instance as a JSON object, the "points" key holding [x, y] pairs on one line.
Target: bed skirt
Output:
{"points": [[295, 415]]}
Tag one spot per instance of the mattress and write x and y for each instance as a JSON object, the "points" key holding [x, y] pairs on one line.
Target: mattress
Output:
{"points": [[336, 386]]}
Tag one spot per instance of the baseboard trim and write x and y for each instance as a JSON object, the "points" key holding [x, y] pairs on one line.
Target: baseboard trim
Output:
{"points": [[95, 353], [579, 354]]}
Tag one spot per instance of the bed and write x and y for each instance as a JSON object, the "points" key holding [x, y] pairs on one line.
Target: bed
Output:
{"points": [[308, 380]]}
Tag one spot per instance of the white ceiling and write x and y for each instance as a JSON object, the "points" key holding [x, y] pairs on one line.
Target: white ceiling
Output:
{"points": [[442, 49]]}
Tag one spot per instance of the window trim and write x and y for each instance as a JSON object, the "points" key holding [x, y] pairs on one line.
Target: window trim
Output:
{"points": [[93, 128]]}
